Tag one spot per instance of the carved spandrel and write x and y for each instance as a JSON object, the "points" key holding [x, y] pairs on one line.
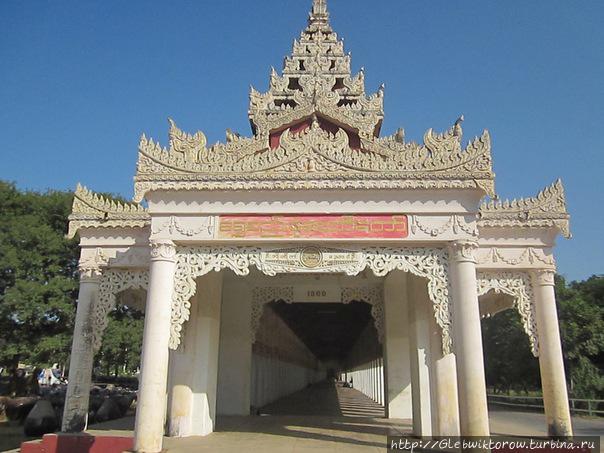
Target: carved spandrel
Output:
{"points": [[517, 285], [426, 262]]}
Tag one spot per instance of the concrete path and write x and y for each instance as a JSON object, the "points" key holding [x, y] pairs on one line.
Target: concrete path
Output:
{"points": [[325, 398], [324, 418], [517, 423]]}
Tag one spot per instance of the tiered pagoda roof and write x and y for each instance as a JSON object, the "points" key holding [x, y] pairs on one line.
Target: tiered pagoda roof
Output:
{"points": [[315, 128]]}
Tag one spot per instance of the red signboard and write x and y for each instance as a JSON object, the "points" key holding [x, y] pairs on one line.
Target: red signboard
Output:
{"points": [[376, 226]]}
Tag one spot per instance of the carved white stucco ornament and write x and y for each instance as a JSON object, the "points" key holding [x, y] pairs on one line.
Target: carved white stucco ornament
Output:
{"points": [[517, 285], [430, 263], [91, 210], [113, 282], [546, 210], [373, 295], [315, 128]]}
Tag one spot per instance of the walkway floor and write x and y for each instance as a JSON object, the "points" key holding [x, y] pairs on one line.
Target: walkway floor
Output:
{"points": [[327, 399], [324, 418], [321, 418]]}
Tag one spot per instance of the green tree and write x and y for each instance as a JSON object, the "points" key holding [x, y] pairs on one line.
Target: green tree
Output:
{"points": [[581, 313], [38, 283], [122, 341], [509, 362], [38, 286]]}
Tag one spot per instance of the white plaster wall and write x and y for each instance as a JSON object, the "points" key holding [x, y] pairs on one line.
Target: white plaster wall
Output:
{"points": [[420, 313], [317, 201], [194, 366], [235, 356], [396, 347], [273, 378]]}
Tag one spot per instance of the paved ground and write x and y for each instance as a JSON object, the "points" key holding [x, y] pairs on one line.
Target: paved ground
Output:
{"points": [[505, 421], [325, 418], [328, 419]]}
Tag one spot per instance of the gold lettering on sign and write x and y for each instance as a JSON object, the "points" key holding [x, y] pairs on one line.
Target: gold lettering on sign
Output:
{"points": [[383, 226]]}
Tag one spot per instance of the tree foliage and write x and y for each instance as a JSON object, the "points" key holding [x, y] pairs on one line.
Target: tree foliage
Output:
{"points": [[38, 282], [509, 362], [39, 285], [511, 367], [122, 341], [581, 313]]}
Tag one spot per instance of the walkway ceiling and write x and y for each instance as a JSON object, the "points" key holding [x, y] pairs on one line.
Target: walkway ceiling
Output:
{"points": [[329, 330]]}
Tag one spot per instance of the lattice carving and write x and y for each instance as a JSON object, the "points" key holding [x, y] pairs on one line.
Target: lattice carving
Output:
{"points": [[430, 263], [517, 285], [372, 295], [113, 281], [264, 295]]}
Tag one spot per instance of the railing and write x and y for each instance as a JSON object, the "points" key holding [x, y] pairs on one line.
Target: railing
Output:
{"points": [[577, 405]]}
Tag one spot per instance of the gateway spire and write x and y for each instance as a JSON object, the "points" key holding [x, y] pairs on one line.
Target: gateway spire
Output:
{"points": [[319, 14]]}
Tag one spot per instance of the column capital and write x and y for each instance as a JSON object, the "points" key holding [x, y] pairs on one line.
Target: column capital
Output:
{"points": [[543, 277], [463, 250], [90, 273], [163, 250], [91, 265]]}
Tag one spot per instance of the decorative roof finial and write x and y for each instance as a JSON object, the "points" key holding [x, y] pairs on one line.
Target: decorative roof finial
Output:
{"points": [[457, 130], [319, 14]]}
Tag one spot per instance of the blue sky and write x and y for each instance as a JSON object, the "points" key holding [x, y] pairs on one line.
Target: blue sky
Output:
{"points": [[81, 80]]}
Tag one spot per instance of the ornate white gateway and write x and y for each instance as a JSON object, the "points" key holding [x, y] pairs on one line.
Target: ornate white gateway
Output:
{"points": [[314, 191]]}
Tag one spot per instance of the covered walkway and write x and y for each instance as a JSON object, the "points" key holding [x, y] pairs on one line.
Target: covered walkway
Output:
{"points": [[325, 399], [322, 417]]}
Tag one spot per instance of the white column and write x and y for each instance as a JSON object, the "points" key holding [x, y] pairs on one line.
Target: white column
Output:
{"points": [[446, 402], [443, 382], [396, 347], [151, 406], [473, 411], [373, 381], [380, 382], [420, 308], [376, 372], [235, 364], [551, 364], [75, 414]]}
